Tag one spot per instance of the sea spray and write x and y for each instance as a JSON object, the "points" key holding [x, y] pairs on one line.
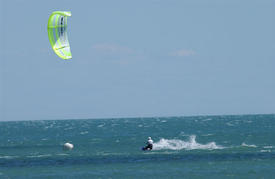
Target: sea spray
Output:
{"points": [[191, 144]]}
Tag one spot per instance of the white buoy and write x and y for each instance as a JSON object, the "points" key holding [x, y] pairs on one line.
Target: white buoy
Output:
{"points": [[68, 146]]}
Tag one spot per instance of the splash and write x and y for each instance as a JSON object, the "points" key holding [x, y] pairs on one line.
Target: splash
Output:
{"points": [[176, 144]]}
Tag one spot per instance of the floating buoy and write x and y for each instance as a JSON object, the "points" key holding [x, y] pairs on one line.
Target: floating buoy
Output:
{"points": [[68, 146]]}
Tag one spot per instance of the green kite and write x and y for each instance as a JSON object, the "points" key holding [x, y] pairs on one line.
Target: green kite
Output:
{"points": [[57, 33]]}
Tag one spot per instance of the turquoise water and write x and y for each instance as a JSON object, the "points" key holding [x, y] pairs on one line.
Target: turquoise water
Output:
{"points": [[191, 147]]}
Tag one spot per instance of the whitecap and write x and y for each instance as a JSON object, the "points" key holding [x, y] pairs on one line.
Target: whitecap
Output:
{"points": [[207, 134], [208, 119], [108, 153], [85, 132], [101, 125], [62, 154], [246, 145], [8, 157], [268, 147], [39, 156], [229, 124]]}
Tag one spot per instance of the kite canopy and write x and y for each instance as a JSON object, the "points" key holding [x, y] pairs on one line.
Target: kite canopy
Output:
{"points": [[57, 32]]}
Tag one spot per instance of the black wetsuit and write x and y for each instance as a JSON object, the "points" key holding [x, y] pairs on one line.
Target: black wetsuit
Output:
{"points": [[148, 147]]}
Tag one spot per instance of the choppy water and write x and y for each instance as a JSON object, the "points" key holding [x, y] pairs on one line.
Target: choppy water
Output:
{"points": [[192, 147]]}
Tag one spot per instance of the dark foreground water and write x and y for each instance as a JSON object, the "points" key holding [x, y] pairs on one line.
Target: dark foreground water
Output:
{"points": [[185, 147]]}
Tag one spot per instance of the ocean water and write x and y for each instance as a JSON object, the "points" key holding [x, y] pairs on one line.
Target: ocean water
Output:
{"points": [[241, 146]]}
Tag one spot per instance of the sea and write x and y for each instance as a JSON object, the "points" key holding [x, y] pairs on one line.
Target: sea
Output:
{"points": [[226, 146]]}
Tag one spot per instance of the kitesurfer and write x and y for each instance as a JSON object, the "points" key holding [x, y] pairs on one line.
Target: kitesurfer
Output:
{"points": [[149, 144]]}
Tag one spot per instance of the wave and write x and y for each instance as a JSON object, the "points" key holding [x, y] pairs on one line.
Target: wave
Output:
{"points": [[84, 132], [62, 154], [8, 157], [246, 145], [39, 156], [101, 125], [268, 147], [191, 144], [208, 119]]}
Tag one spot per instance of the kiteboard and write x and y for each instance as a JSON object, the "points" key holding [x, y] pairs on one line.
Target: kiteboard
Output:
{"points": [[145, 149]]}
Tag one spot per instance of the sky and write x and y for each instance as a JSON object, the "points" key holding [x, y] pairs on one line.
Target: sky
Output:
{"points": [[146, 58]]}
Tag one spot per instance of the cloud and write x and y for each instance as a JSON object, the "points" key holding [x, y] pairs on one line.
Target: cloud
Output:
{"points": [[112, 48], [183, 53]]}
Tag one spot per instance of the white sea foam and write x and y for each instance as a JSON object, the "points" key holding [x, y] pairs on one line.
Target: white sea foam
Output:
{"points": [[8, 157], [62, 154], [246, 145], [191, 144], [85, 132], [229, 124], [108, 153], [101, 125], [208, 119], [39, 156], [207, 134], [268, 147]]}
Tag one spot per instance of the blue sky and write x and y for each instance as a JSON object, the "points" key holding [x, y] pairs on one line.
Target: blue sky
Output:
{"points": [[138, 59]]}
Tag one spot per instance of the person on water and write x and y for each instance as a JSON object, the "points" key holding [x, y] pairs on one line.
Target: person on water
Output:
{"points": [[149, 144]]}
